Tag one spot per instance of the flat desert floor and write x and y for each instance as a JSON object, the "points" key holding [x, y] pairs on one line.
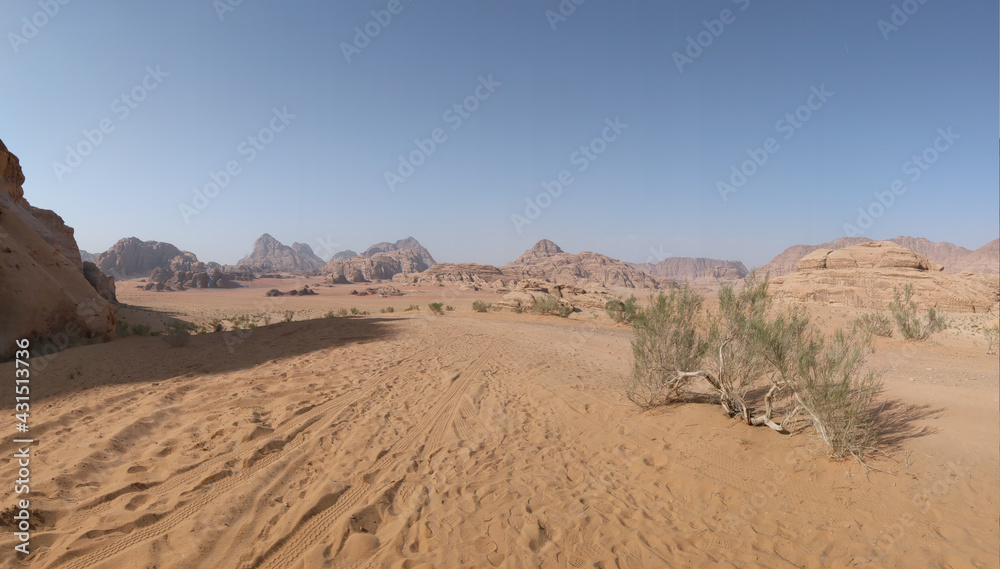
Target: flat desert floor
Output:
{"points": [[405, 440]]}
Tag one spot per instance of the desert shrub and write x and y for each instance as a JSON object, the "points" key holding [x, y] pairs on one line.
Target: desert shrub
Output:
{"points": [[753, 356], [518, 309], [991, 335], [289, 315], [215, 325], [387, 309], [121, 330], [342, 312], [839, 395], [480, 306], [141, 329], [666, 342], [177, 333], [549, 304], [330, 314], [622, 310], [411, 307], [243, 322], [909, 322], [449, 308], [436, 308], [877, 324], [266, 318], [355, 311]]}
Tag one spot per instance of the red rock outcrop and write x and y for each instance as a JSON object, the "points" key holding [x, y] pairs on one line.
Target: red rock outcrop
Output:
{"points": [[42, 283]]}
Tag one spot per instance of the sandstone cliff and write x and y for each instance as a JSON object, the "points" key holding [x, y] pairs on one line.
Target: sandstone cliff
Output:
{"points": [[45, 292]]}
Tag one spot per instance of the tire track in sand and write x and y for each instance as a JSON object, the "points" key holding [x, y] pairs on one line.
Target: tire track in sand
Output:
{"points": [[365, 486], [284, 439]]}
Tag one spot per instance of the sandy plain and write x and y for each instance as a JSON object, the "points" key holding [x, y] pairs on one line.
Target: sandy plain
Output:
{"points": [[409, 440]]}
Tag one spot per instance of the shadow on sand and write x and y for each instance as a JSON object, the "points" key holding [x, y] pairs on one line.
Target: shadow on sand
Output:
{"points": [[148, 359]]}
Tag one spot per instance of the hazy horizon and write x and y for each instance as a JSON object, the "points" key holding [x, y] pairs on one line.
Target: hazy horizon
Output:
{"points": [[300, 113]]}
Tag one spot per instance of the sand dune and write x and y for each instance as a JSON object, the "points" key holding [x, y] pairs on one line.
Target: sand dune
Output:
{"points": [[478, 441]]}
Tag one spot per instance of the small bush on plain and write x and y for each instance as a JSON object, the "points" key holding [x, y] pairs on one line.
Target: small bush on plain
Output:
{"points": [[908, 320]]}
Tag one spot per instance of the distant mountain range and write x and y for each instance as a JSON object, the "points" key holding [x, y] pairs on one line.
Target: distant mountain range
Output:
{"points": [[132, 257]]}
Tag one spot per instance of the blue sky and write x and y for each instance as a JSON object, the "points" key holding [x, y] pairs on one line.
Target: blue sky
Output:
{"points": [[324, 123]]}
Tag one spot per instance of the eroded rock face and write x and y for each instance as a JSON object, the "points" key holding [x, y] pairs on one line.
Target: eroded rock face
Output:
{"points": [[472, 275], [381, 261], [524, 293], [866, 275], [45, 293], [870, 255], [546, 261], [132, 257], [955, 259], [695, 270], [425, 260], [270, 255]]}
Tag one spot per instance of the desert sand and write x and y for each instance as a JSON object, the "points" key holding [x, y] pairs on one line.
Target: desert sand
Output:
{"points": [[409, 440]]}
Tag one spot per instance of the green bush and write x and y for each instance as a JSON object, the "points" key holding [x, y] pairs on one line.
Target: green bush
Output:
{"points": [[141, 330], [177, 333], [121, 330], [411, 307], [342, 312], [909, 323], [388, 309], [549, 304], [876, 323], [758, 362], [667, 341], [436, 308], [449, 308], [622, 311], [480, 306]]}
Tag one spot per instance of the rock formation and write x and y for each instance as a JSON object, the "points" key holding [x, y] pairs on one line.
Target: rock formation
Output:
{"points": [[381, 261], [695, 270], [546, 261], [306, 252], [45, 292], [270, 255], [408, 244], [524, 293], [345, 254], [469, 275], [865, 276], [132, 257], [955, 259]]}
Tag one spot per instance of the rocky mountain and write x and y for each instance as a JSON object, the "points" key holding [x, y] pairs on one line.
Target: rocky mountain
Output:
{"points": [[408, 244], [951, 256], [865, 276], [132, 257], [270, 255], [548, 262], [696, 270], [345, 254], [383, 266], [986, 259], [306, 252], [381, 261], [85, 256], [42, 282]]}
